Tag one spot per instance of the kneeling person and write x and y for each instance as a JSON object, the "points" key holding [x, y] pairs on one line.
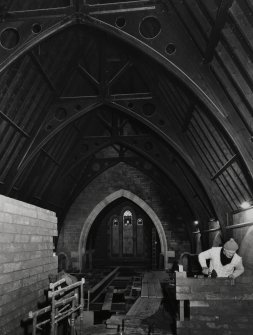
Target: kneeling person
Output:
{"points": [[223, 260]]}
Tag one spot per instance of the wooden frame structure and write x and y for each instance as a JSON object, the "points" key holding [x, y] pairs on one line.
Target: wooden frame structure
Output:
{"points": [[65, 303]]}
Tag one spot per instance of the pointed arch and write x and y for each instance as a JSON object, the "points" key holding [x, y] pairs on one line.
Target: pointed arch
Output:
{"points": [[105, 202]]}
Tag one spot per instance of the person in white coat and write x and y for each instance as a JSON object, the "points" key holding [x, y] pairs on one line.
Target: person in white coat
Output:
{"points": [[224, 261]]}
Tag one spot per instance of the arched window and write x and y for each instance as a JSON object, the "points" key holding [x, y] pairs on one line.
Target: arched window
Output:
{"points": [[139, 222], [139, 237], [115, 244], [115, 222], [127, 218], [126, 230], [128, 233]]}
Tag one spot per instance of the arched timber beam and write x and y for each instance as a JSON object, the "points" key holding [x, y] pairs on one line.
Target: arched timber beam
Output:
{"points": [[195, 75]]}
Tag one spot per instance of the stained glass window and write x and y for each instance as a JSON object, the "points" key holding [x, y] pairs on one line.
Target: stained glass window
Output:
{"points": [[127, 218]]}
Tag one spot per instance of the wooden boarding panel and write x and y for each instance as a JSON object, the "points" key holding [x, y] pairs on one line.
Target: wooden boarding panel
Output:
{"points": [[144, 307], [108, 299], [144, 289], [115, 321], [151, 290], [135, 307], [158, 289], [151, 286], [148, 276]]}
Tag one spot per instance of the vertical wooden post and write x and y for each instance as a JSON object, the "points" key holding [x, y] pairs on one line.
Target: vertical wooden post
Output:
{"points": [[52, 330], [181, 310], [88, 301], [72, 320], [82, 298], [34, 324]]}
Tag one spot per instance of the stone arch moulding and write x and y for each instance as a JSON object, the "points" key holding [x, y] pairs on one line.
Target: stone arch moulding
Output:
{"points": [[107, 200]]}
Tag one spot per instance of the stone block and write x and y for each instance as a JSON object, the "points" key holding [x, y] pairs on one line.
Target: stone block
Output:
{"points": [[199, 304], [47, 216], [88, 318], [21, 238], [183, 289], [6, 238], [36, 238], [181, 278], [5, 257], [22, 262], [5, 278], [10, 267], [5, 217]]}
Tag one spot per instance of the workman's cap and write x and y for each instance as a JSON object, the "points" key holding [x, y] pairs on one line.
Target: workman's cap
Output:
{"points": [[231, 245]]}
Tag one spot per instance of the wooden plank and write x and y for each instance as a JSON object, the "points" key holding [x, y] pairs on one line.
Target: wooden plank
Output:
{"points": [[151, 286], [158, 289], [144, 290], [108, 277], [144, 307], [134, 309], [108, 299], [181, 310], [151, 290], [144, 286]]}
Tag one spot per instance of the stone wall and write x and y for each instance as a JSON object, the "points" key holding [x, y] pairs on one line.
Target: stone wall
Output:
{"points": [[119, 177], [216, 306], [26, 259]]}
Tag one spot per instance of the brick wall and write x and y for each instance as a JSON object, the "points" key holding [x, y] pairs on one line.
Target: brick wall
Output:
{"points": [[216, 306], [26, 259], [119, 177]]}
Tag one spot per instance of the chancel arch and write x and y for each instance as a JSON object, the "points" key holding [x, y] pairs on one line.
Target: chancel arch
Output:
{"points": [[135, 200]]}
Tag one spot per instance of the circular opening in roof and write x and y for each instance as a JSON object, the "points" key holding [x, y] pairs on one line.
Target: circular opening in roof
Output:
{"points": [[60, 114], [9, 38], [120, 22], [148, 109], [36, 28], [170, 49], [150, 27]]}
